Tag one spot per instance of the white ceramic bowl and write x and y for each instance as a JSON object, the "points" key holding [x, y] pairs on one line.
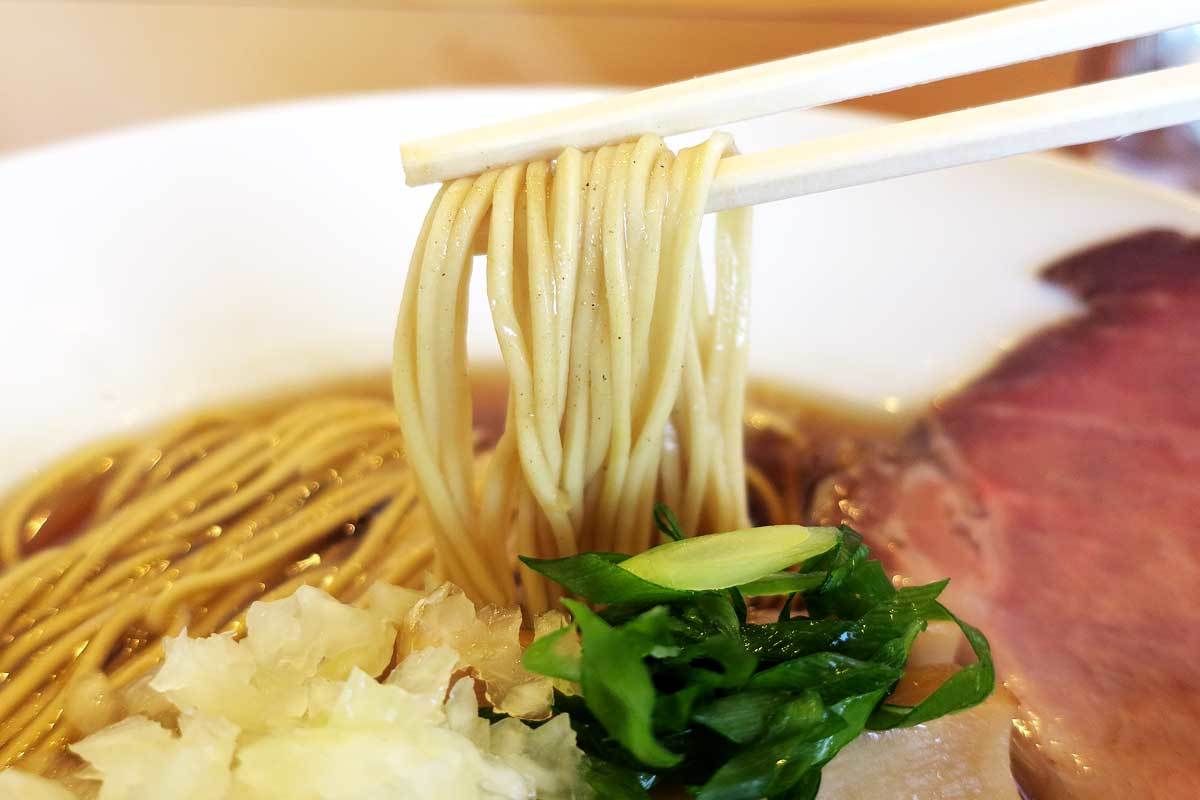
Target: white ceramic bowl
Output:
{"points": [[165, 267]]}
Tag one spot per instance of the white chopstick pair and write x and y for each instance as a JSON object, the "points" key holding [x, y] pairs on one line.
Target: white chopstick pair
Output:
{"points": [[1023, 33]]}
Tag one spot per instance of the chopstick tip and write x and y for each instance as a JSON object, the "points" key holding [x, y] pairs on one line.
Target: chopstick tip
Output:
{"points": [[415, 163]]}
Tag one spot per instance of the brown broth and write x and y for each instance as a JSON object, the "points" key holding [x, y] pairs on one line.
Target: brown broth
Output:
{"points": [[797, 440]]}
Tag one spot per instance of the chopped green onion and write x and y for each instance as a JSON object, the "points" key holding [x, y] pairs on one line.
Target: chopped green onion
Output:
{"points": [[680, 690]]}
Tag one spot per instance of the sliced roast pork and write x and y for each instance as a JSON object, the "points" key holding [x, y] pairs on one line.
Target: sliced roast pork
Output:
{"points": [[1061, 491]]}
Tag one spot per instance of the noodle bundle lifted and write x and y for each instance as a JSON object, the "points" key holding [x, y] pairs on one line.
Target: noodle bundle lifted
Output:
{"points": [[625, 386]]}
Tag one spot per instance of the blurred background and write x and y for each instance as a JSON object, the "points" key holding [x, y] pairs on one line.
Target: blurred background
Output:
{"points": [[71, 67]]}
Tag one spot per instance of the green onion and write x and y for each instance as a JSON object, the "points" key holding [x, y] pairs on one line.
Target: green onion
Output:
{"points": [[679, 690], [724, 560], [783, 583]]}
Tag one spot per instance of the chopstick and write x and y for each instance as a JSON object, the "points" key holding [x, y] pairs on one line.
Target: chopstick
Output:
{"points": [[1083, 114], [974, 44]]}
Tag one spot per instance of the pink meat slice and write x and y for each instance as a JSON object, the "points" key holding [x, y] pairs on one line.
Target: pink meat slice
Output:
{"points": [[1061, 492]]}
